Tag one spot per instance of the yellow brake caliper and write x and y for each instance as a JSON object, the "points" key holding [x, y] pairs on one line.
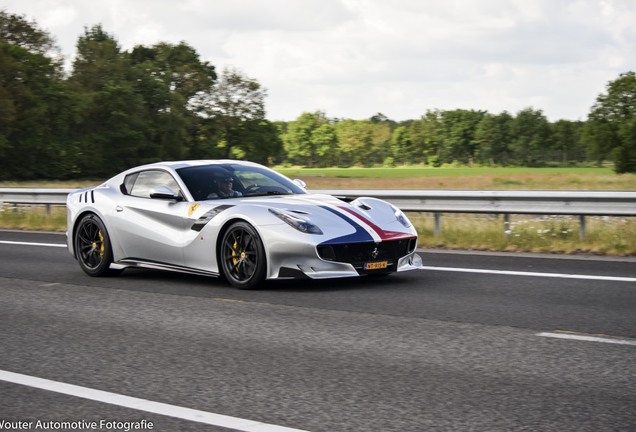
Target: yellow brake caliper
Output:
{"points": [[235, 255], [99, 245]]}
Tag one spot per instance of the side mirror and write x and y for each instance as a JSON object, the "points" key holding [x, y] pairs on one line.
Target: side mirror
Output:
{"points": [[165, 193], [300, 183]]}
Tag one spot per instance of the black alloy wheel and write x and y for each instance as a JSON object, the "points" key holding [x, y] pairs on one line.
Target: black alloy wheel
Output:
{"points": [[92, 246], [242, 256]]}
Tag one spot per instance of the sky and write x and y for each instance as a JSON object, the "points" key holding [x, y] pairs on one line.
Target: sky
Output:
{"points": [[356, 58]]}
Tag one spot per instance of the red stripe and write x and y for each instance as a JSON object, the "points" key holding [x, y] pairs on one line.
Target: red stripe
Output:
{"points": [[384, 235]]}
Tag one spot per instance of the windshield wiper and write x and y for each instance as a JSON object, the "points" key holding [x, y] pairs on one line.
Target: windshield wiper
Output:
{"points": [[268, 193], [278, 193]]}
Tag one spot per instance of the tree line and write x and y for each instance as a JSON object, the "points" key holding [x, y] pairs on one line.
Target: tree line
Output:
{"points": [[116, 109]]}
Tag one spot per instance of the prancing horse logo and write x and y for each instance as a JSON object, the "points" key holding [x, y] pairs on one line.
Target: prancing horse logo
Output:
{"points": [[375, 253]]}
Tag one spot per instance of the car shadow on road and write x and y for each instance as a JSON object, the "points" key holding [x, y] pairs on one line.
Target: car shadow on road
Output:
{"points": [[189, 284]]}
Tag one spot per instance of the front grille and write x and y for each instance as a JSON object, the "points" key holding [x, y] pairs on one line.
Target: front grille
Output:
{"points": [[359, 253]]}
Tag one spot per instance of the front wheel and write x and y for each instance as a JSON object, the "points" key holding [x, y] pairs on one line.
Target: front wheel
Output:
{"points": [[93, 250], [242, 256]]}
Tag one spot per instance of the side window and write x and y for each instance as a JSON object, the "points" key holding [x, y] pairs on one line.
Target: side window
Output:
{"points": [[129, 181], [141, 184]]}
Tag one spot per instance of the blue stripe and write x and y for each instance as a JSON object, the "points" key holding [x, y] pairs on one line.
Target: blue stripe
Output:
{"points": [[361, 235]]}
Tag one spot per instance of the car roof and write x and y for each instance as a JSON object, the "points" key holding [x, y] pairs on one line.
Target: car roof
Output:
{"points": [[191, 163]]}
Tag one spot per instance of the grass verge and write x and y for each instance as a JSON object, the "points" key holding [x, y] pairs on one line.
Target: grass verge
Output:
{"points": [[35, 218], [611, 236]]}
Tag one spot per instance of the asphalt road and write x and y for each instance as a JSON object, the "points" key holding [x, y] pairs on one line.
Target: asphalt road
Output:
{"points": [[473, 343]]}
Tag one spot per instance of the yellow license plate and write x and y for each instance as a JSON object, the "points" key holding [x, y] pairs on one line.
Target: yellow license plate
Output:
{"points": [[376, 265]]}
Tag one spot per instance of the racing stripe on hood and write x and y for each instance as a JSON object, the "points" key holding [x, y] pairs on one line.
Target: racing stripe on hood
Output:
{"points": [[384, 235], [366, 230], [208, 216], [361, 235]]}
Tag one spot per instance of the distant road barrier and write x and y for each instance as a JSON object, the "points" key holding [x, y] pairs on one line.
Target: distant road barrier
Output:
{"points": [[33, 196], [506, 202]]}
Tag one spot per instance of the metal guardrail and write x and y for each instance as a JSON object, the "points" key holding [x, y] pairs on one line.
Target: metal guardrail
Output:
{"points": [[511, 202], [588, 203], [33, 196], [576, 203]]}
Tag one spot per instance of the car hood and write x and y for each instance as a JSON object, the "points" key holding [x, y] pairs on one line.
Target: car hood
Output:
{"points": [[362, 219], [318, 204]]}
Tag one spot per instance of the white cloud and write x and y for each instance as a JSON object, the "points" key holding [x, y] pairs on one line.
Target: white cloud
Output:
{"points": [[354, 58]]}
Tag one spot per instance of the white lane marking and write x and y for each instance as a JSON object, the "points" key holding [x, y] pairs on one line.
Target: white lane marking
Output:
{"points": [[536, 274], [587, 338], [189, 414], [32, 244]]}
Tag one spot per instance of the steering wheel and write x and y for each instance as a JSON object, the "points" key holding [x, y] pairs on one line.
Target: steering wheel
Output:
{"points": [[252, 188]]}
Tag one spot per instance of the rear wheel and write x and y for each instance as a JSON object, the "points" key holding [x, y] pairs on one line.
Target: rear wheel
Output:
{"points": [[92, 246], [242, 256]]}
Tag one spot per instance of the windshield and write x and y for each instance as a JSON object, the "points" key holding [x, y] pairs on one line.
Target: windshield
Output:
{"points": [[219, 181]]}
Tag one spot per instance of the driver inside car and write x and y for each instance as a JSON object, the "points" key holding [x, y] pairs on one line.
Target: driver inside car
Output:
{"points": [[224, 189]]}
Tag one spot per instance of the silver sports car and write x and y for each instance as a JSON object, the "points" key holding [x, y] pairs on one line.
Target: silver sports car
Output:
{"points": [[234, 219]]}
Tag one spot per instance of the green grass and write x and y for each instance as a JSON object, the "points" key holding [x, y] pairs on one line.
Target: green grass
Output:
{"points": [[425, 171], [477, 178], [33, 218], [547, 234]]}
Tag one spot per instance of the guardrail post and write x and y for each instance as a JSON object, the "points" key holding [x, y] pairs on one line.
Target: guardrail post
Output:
{"points": [[438, 222], [582, 227], [507, 224]]}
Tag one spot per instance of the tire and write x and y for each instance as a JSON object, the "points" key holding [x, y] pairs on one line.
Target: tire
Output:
{"points": [[242, 256], [92, 246]]}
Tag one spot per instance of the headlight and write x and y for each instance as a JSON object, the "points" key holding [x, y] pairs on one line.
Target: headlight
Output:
{"points": [[301, 224], [400, 216]]}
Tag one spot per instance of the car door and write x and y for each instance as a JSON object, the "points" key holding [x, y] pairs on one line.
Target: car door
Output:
{"points": [[148, 228]]}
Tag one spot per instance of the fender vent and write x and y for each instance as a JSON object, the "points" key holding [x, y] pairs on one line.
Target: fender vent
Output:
{"points": [[85, 196]]}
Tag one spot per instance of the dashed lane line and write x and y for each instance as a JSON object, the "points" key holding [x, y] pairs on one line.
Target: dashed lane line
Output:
{"points": [[149, 406], [587, 338]]}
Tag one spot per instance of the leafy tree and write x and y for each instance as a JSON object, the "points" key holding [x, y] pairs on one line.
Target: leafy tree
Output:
{"points": [[32, 101], [566, 142], [599, 138], [380, 118], [298, 140], [401, 146], [111, 131], [608, 129], [171, 79], [531, 132], [355, 138], [626, 152], [426, 138], [380, 142], [18, 31], [260, 142], [235, 106], [325, 141], [492, 139], [458, 132]]}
